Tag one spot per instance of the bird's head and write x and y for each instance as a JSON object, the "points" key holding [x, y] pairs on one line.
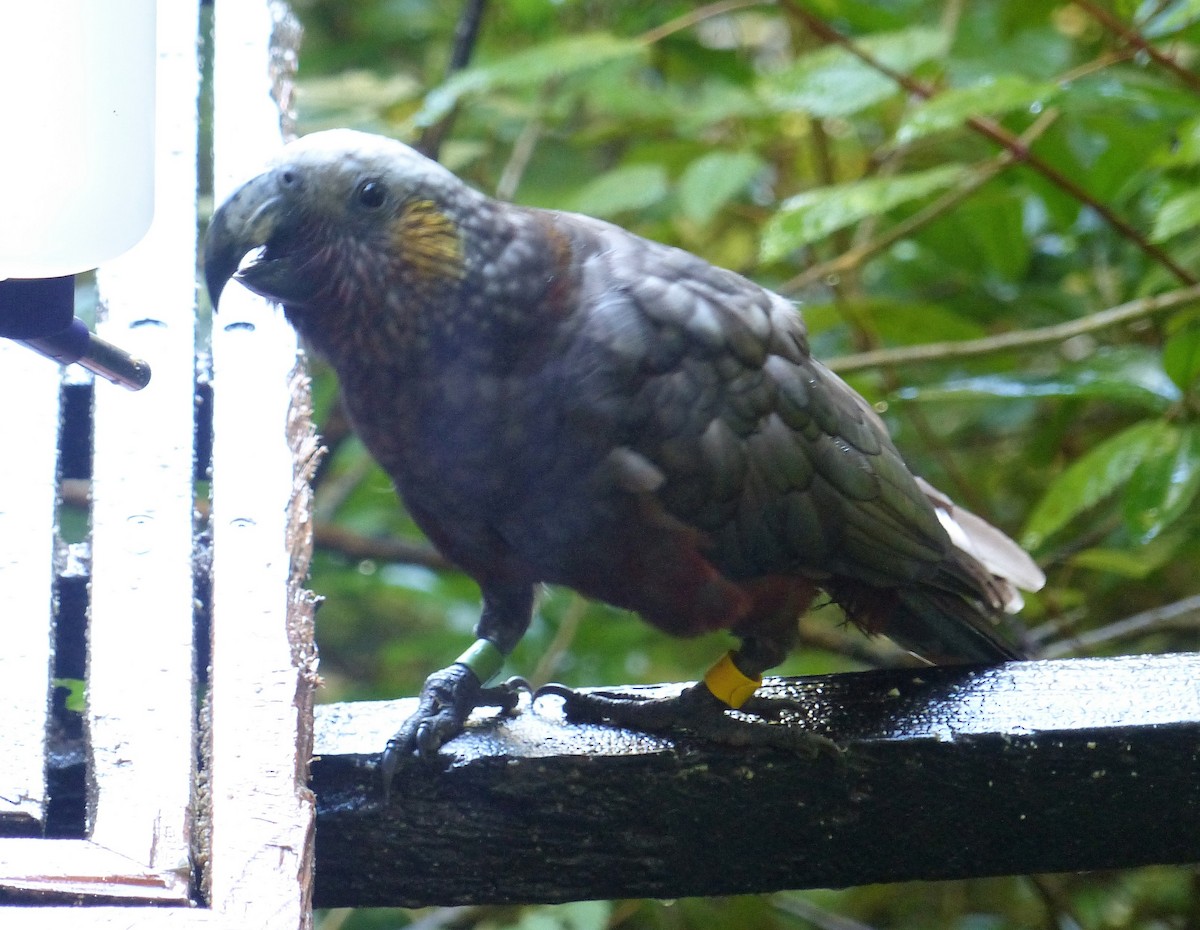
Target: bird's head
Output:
{"points": [[339, 218]]}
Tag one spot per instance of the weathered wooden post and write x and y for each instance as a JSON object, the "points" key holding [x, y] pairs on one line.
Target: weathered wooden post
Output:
{"points": [[196, 778]]}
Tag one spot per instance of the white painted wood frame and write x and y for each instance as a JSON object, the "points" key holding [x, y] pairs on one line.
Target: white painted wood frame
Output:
{"points": [[166, 805]]}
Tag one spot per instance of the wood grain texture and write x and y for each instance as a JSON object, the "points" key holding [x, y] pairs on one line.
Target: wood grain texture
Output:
{"points": [[263, 661], [944, 773], [245, 819], [141, 680]]}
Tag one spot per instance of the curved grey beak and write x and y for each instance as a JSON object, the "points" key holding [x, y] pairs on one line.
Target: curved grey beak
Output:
{"points": [[251, 238]]}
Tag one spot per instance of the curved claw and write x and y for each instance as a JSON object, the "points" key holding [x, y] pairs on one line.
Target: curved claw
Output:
{"points": [[446, 701], [554, 688], [506, 695], [589, 706]]}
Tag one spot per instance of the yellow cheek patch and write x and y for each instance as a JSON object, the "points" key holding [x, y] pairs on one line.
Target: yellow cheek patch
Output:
{"points": [[727, 683], [428, 244]]}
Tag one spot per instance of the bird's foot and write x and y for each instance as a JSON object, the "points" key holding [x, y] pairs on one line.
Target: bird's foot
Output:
{"points": [[446, 700], [759, 722]]}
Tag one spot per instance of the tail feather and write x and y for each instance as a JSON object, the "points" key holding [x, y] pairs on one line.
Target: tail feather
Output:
{"points": [[938, 624], [947, 629], [1007, 563], [955, 615]]}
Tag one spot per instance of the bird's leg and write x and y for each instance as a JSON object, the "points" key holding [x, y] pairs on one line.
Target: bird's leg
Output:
{"points": [[722, 707], [727, 685], [450, 694]]}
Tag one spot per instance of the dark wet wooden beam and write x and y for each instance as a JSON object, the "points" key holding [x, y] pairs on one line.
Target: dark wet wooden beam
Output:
{"points": [[945, 773]]}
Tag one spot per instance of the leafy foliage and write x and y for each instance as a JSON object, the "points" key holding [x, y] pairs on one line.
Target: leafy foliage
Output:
{"points": [[812, 215], [741, 132], [833, 82]]}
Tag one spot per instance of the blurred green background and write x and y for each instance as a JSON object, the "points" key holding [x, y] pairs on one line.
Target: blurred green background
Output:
{"points": [[740, 131]]}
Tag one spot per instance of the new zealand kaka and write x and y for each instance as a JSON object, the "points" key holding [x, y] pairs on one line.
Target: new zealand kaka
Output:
{"points": [[559, 400]]}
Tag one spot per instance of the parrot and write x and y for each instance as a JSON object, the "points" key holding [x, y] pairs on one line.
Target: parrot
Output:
{"points": [[560, 401]]}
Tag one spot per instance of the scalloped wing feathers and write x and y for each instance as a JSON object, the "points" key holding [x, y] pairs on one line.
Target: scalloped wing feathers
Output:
{"points": [[781, 465]]}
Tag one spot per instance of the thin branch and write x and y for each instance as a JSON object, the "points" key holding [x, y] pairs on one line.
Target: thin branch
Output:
{"points": [[992, 130], [840, 239], [687, 20], [76, 492], [1138, 309], [1099, 63], [454, 916], [1166, 615], [964, 489], [1191, 916], [380, 549], [805, 910], [518, 159], [1055, 627], [818, 630], [466, 34], [1130, 35], [1059, 911], [334, 489], [983, 173], [564, 637]]}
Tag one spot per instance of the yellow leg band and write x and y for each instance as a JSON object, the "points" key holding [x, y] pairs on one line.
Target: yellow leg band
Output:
{"points": [[727, 683]]}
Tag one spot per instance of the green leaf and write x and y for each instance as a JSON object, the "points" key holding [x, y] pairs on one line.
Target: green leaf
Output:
{"points": [[76, 699], [906, 323], [1131, 563], [585, 915], [1184, 147], [832, 82], [987, 228], [1165, 484], [1094, 477], [356, 98], [814, 214], [1181, 357], [632, 187], [1130, 375], [983, 237], [530, 67], [1178, 214], [1175, 16], [712, 180], [827, 84], [578, 915], [995, 94]]}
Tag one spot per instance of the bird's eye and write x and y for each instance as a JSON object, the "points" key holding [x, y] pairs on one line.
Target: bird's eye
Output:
{"points": [[371, 194]]}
